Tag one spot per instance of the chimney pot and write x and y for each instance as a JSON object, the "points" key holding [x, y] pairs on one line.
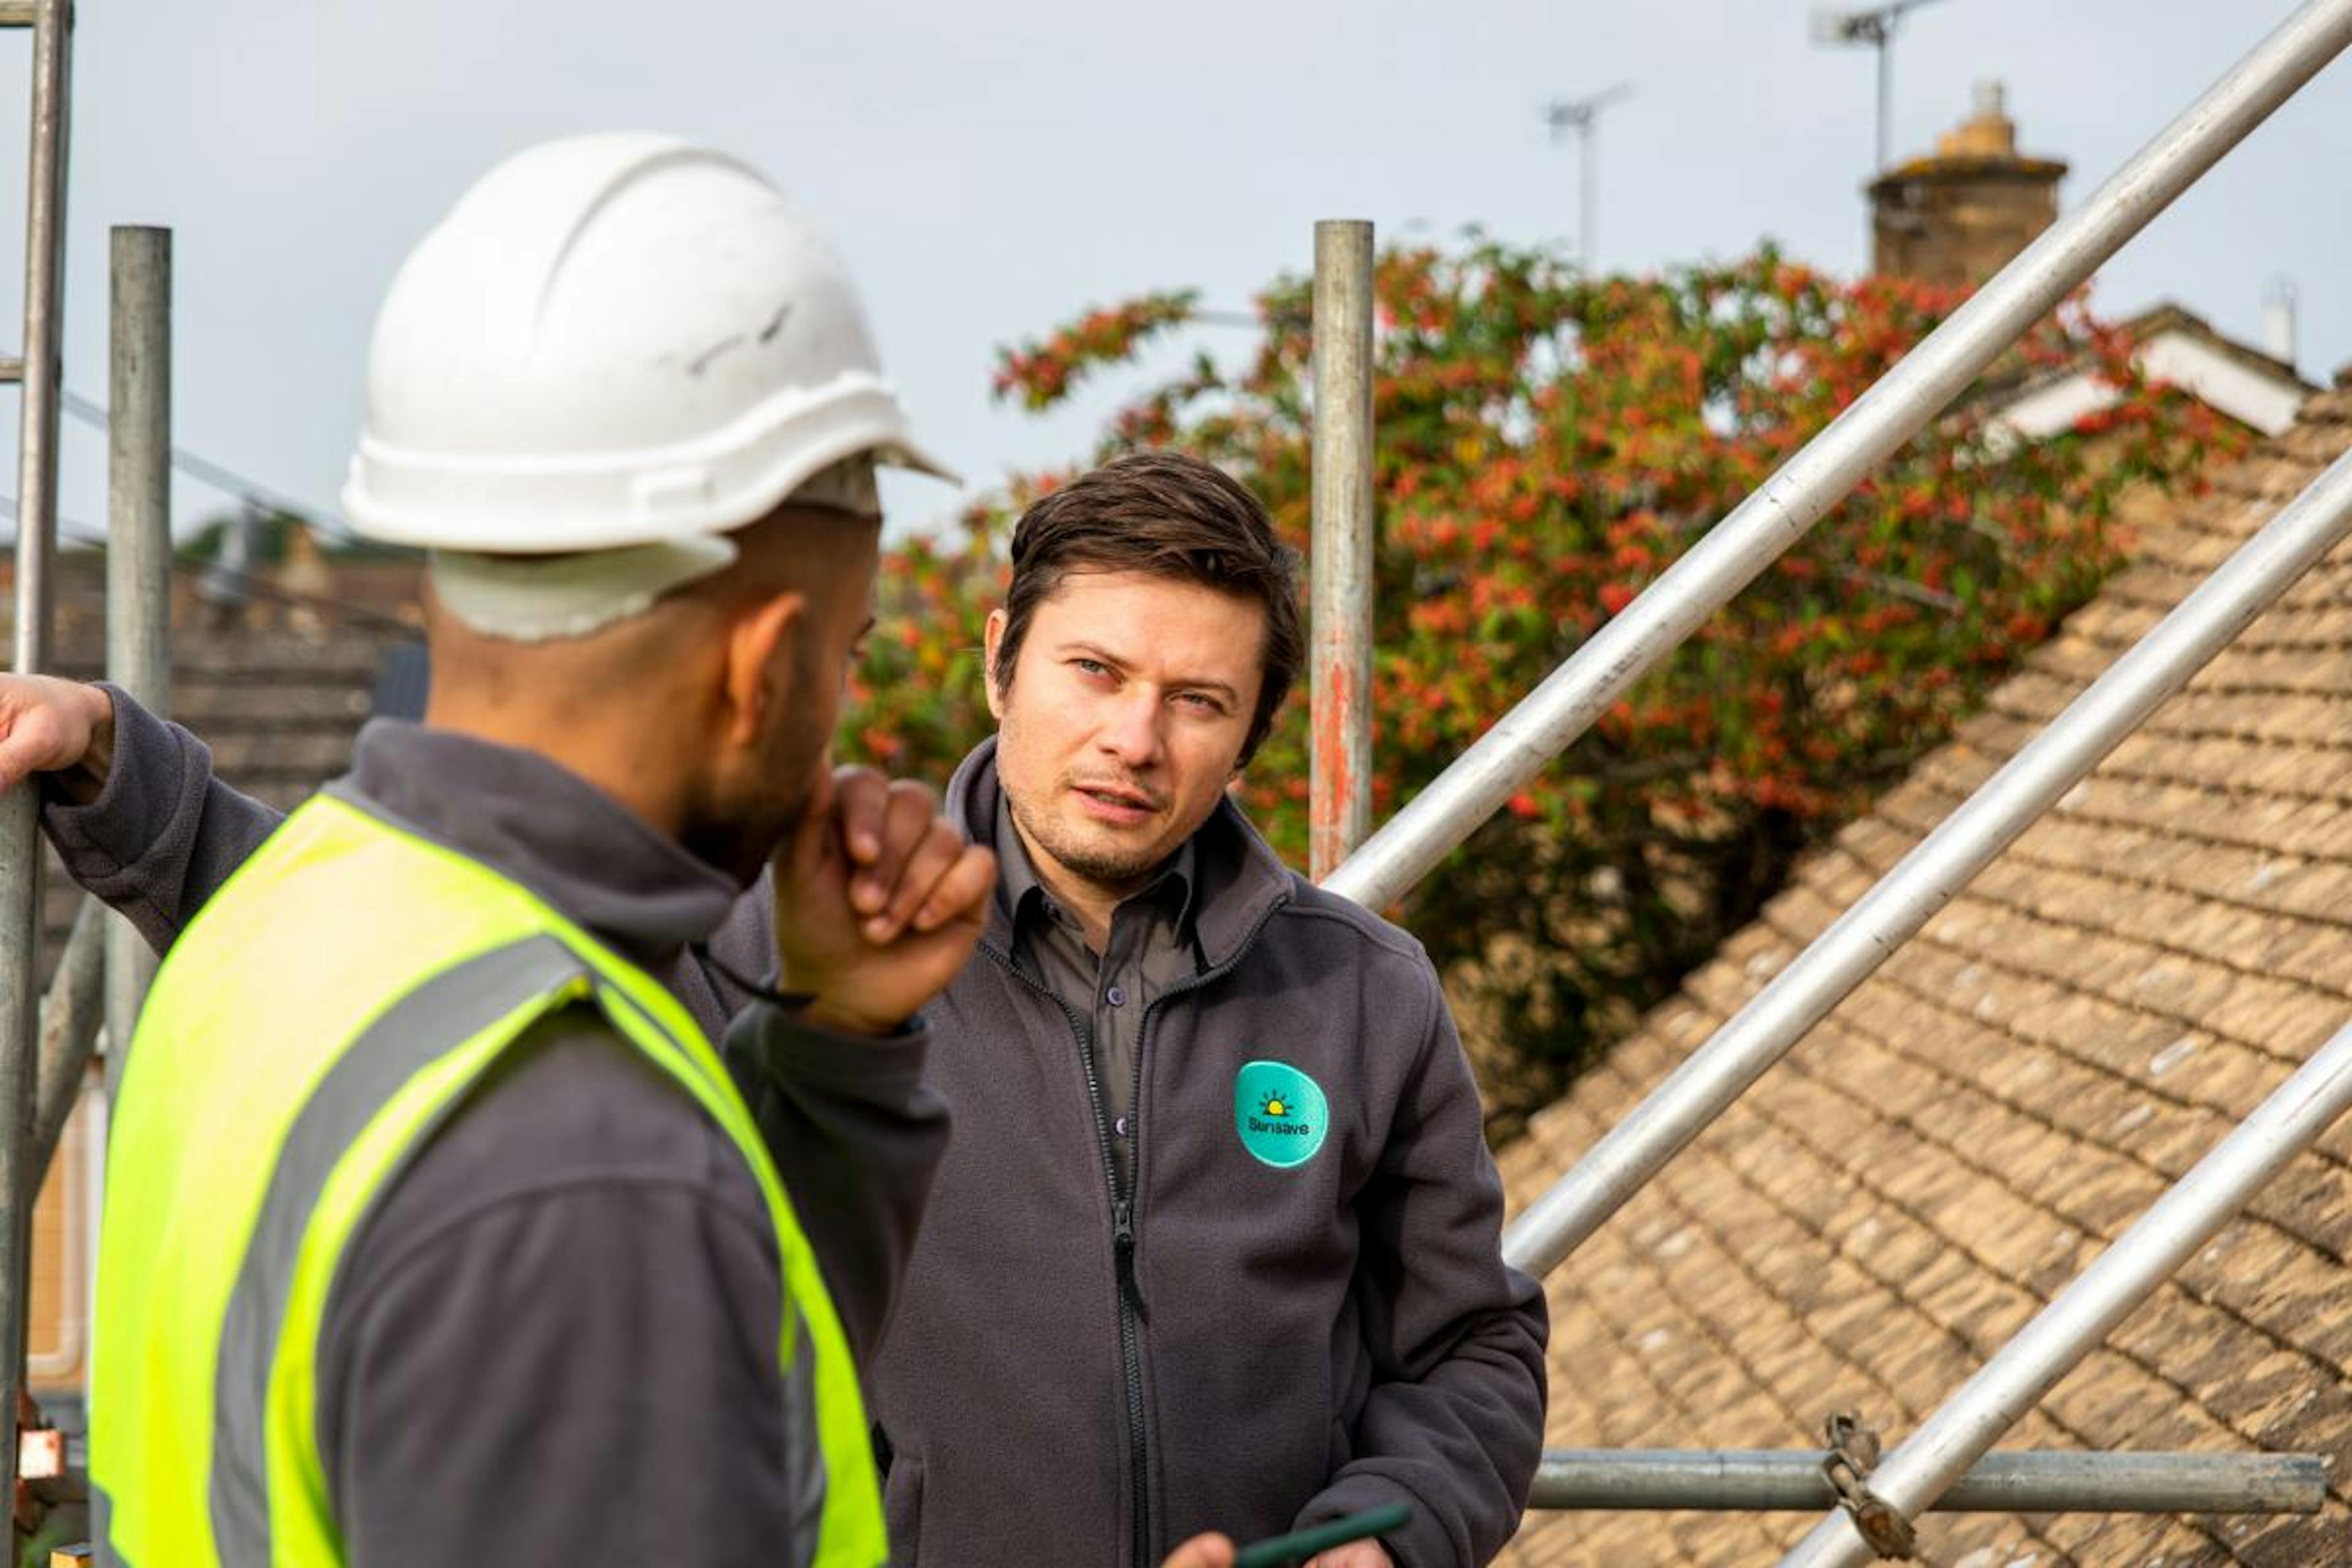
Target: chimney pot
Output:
{"points": [[1956, 217]]}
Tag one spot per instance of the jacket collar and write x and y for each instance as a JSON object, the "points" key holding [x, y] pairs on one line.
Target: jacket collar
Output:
{"points": [[1017, 878], [534, 821], [1237, 879]]}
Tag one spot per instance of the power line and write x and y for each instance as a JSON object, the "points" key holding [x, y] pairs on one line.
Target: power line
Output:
{"points": [[248, 491], [267, 588], [206, 471]]}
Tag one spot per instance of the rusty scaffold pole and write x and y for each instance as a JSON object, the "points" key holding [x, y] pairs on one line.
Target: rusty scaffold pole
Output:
{"points": [[1340, 788]]}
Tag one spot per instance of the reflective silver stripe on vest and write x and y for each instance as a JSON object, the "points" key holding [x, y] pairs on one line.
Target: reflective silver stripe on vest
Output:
{"points": [[430, 1021], [804, 1443], [101, 1545], [804, 1448]]}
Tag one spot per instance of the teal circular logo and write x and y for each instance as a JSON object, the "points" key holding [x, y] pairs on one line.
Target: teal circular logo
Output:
{"points": [[1280, 1113]]}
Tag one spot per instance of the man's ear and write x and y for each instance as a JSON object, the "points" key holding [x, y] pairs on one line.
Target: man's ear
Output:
{"points": [[993, 639], [758, 670]]}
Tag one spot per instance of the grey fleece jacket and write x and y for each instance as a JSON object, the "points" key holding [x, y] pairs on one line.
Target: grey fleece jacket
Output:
{"points": [[555, 1338], [1258, 1345], [1235, 1344]]}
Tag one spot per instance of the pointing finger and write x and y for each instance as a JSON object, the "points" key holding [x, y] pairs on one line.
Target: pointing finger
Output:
{"points": [[962, 891], [940, 845], [861, 798], [908, 813]]}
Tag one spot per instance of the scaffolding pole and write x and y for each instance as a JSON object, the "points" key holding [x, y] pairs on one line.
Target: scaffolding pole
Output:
{"points": [[1339, 771], [138, 539], [1782, 1481], [2082, 1316], [20, 847], [1412, 843], [71, 1014], [1926, 880]]}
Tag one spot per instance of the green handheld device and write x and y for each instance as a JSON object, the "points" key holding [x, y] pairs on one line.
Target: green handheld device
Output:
{"points": [[1281, 1551]]}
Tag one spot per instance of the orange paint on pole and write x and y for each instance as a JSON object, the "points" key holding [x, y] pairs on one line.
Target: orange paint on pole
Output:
{"points": [[1334, 774]]}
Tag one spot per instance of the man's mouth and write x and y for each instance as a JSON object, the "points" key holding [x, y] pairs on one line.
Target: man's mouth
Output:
{"points": [[1117, 799]]}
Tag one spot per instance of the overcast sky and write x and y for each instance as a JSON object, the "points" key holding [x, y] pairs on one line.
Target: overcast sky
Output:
{"points": [[990, 169]]}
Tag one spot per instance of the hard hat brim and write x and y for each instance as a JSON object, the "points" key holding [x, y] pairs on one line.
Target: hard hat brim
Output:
{"points": [[545, 503]]}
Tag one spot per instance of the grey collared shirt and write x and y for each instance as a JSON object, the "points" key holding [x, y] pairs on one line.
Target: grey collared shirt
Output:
{"points": [[1151, 947]]}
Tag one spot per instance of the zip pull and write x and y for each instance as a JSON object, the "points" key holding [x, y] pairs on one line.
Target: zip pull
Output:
{"points": [[1123, 1248]]}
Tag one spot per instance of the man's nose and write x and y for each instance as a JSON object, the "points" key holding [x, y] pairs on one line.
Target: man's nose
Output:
{"points": [[1131, 731]]}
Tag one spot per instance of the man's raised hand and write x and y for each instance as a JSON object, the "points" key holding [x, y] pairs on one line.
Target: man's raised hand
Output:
{"points": [[879, 901], [52, 726]]}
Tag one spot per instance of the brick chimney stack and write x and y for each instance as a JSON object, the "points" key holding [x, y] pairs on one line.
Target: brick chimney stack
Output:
{"points": [[1958, 217]]}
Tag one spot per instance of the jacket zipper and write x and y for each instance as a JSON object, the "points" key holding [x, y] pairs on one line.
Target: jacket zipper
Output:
{"points": [[1131, 1301], [1123, 1239]]}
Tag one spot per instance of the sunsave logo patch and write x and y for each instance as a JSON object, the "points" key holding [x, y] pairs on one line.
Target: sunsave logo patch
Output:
{"points": [[1280, 1113]]}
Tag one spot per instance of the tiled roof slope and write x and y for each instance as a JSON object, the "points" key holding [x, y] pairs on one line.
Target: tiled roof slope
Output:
{"points": [[1961, 1137]]}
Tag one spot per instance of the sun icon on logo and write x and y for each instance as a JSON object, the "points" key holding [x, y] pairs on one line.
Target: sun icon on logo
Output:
{"points": [[1273, 1104]]}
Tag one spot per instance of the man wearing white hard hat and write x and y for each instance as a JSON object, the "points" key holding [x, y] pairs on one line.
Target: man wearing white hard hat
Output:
{"points": [[434, 1231], [437, 1228]]}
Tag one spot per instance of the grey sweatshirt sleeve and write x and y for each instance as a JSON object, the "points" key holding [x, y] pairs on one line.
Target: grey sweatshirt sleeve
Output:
{"points": [[164, 834], [856, 1136], [556, 1338], [1454, 1424]]}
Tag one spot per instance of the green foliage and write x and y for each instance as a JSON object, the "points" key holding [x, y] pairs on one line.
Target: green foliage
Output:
{"points": [[1548, 444]]}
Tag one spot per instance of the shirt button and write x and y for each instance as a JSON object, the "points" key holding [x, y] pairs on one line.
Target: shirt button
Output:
{"points": [[1121, 1127], [1116, 996]]}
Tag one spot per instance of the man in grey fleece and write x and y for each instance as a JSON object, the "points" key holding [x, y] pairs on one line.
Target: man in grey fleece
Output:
{"points": [[1217, 1241]]}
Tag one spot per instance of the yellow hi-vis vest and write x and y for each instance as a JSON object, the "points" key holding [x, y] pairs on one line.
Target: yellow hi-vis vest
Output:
{"points": [[313, 1026]]}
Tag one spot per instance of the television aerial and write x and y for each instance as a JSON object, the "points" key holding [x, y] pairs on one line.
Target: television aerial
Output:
{"points": [[1876, 27], [1578, 115]]}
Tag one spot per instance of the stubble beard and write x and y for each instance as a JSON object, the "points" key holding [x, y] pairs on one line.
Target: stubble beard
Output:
{"points": [[740, 837], [1107, 869], [739, 829]]}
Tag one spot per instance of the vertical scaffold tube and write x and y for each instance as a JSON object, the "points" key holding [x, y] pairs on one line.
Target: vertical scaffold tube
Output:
{"points": [[1340, 791], [20, 847], [138, 536]]}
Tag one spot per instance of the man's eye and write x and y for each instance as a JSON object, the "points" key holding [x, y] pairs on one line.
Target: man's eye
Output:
{"points": [[1090, 667]]}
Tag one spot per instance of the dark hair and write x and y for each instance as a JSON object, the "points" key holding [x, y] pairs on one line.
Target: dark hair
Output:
{"points": [[1165, 515]]}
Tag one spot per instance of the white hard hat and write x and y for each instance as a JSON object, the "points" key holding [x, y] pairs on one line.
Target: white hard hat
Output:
{"points": [[614, 340]]}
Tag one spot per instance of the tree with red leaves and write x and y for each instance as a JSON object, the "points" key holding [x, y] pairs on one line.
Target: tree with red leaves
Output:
{"points": [[1546, 445]]}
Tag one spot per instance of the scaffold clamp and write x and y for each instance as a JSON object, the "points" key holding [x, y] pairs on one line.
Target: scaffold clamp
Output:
{"points": [[1853, 1454]]}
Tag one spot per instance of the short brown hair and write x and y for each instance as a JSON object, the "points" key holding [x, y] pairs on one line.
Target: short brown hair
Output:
{"points": [[1166, 515]]}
